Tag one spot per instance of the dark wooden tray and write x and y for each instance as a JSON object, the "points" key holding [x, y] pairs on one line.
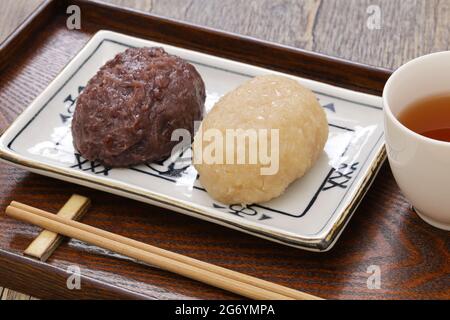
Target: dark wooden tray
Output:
{"points": [[413, 257]]}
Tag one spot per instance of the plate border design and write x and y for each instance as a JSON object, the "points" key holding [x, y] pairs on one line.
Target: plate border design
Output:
{"points": [[312, 243]]}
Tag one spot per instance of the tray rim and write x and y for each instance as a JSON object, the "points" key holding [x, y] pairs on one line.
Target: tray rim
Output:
{"points": [[320, 242], [54, 286], [19, 273]]}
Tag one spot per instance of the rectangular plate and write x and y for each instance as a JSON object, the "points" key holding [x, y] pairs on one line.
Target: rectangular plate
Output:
{"points": [[310, 215]]}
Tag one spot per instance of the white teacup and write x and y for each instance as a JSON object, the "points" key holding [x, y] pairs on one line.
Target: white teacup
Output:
{"points": [[421, 166]]}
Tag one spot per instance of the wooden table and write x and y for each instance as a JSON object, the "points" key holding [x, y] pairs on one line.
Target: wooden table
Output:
{"points": [[413, 257]]}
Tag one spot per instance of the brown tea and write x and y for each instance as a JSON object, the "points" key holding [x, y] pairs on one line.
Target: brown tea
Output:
{"points": [[429, 117]]}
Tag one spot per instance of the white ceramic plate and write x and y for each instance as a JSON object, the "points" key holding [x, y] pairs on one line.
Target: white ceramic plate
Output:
{"points": [[311, 214]]}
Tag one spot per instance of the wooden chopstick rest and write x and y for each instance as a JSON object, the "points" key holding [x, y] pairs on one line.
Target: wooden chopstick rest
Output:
{"points": [[47, 241]]}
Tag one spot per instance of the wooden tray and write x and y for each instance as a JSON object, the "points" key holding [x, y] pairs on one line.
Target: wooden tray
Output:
{"points": [[413, 257]]}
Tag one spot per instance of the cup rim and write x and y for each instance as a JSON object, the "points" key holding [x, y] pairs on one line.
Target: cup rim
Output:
{"points": [[387, 110]]}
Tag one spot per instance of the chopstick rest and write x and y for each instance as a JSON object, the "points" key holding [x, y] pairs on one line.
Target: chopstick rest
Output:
{"points": [[47, 241]]}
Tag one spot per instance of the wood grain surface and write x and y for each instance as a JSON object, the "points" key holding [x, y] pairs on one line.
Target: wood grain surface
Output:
{"points": [[413, 257], [408, 28], [338, 28], [13, 12]]}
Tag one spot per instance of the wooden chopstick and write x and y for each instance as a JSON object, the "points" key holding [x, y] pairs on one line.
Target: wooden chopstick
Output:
{"points": [[144, 256], [217, 276], [175, 256]]}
